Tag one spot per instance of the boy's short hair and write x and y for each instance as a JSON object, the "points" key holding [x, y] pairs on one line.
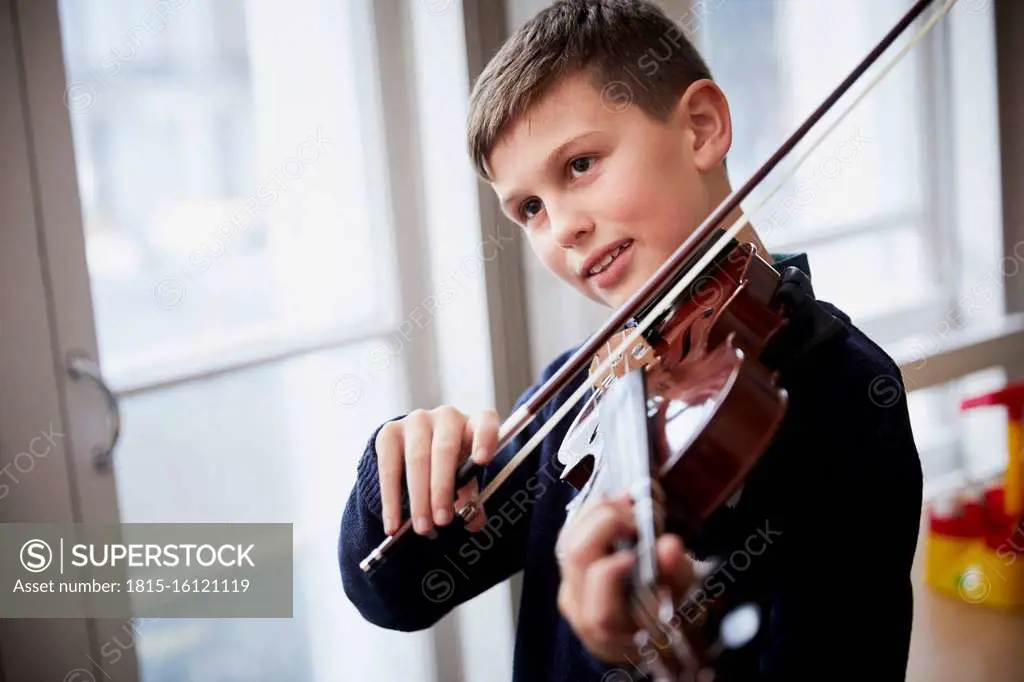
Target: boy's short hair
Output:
{"points": [[611, 41]]}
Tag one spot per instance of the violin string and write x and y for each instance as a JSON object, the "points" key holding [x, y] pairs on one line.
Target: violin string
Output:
{"points": [[667, 301]]}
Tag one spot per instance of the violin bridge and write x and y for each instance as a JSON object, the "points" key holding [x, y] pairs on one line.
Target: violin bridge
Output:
{"points": [[639, 355]]}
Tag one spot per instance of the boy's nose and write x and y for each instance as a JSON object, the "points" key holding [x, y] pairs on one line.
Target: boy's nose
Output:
{"points": [[571, 230]]}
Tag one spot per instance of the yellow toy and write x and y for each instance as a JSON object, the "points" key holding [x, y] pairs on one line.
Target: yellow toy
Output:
{"points": [[975, 544]]}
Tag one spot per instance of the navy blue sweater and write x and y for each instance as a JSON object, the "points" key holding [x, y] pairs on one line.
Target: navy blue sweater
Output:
{"points": [[822, 537]]}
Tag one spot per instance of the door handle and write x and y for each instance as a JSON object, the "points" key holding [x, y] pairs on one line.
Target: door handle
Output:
{"points": [[80, 367]]}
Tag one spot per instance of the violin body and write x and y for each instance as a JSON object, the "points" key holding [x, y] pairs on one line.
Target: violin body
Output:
{"points": [[712, 407]]}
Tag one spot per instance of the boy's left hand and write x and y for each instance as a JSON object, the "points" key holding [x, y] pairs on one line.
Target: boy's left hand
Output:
{"points": [[592, 596]]}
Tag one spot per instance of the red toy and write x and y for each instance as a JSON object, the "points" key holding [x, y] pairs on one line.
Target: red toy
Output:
{"points": [[976, 539]]}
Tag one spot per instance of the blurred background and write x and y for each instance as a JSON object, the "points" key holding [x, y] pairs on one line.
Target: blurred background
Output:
{"points": [[255, 223]]}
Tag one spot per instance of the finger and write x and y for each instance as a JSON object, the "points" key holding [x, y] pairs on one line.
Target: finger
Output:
{"points": [[593, 534], [480, 519], [418, 435], [675, 568], [446, 448], [585, 513], [484, 429], [604, 609], [389, 472], [480, 438]]}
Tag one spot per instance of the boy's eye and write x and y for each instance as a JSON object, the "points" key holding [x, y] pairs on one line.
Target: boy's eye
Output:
{"points": [[530, 208], [582, 164]]}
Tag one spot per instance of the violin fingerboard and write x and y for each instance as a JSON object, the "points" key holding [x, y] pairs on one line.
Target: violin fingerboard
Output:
{"points": [[627, 467]]}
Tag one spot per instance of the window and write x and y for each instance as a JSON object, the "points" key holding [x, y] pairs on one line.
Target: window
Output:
{"points": [[222, 208], [866, 235], [875, 205], [240, 263]]}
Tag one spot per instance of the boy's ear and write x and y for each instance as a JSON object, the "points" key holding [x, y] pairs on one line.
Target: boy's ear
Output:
{"points": [[704, 110]]}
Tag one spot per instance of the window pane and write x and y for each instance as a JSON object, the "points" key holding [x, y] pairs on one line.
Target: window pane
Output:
{"points": [[972, 443], [868, 275], [985, 444], [777, 61], [275, 444], [228, 207], [866, 204], [223, 185]]}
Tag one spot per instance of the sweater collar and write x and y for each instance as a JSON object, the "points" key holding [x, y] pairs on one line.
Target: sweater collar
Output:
{"points": [[798, 260]]}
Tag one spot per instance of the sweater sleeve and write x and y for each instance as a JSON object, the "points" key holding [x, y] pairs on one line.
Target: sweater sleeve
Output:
{"points": [[427, 578]]}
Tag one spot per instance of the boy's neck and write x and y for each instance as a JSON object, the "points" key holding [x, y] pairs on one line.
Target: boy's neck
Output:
{"points": [[748, 234]]}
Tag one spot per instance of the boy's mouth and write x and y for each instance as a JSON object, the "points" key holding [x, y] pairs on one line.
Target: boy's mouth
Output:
{"points": [[605, 267]]}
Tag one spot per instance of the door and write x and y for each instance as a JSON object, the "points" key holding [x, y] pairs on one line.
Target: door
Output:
{"points": [[215, 271]]}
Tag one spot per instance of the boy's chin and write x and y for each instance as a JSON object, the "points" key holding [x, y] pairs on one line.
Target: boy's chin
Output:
{"points": [[612, 299], [620, 295], [615, 297], [599, 297]]}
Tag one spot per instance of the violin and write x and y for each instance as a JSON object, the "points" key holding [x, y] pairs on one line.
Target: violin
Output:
{"points": [[683, 401], [678, 421]]}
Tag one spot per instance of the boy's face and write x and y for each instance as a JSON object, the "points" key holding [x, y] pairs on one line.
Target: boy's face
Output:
{"points": [[587, 177]]}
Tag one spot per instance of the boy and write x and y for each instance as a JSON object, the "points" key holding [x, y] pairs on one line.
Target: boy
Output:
{"points": [[823, 534]]}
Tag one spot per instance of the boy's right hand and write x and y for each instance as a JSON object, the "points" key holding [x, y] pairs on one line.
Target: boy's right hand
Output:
{"points": [[428, 447]]}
